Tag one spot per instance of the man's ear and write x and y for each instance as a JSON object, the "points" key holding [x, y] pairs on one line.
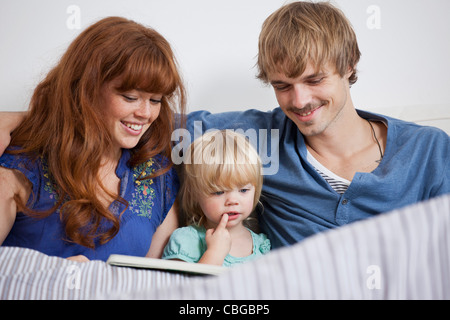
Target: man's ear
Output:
{"points": [[349, 72]]}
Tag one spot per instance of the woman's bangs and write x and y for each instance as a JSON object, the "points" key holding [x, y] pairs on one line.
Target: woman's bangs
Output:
{"points": [[150, 72]]}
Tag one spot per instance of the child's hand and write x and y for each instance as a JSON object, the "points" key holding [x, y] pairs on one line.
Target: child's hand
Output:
{"points": [[218, 242], [219, 238]]}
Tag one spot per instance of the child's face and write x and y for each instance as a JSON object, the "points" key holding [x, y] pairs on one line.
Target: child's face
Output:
{"points": [[237, 203]]}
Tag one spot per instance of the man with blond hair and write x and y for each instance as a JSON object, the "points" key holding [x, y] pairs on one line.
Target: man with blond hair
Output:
{"points": [[336, 164]]}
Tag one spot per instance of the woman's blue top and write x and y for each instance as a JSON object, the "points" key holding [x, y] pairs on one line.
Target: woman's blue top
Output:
{"points": [[148, 204]]}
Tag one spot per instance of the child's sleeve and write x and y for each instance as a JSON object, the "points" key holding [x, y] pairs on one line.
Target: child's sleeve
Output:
{"points": [[185, 244]]}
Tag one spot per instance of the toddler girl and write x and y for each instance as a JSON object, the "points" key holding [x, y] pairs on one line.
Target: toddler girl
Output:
{"points": [[221, 188]]}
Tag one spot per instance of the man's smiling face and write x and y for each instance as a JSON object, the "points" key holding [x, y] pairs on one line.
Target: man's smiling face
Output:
{"points": [[314, 99]]}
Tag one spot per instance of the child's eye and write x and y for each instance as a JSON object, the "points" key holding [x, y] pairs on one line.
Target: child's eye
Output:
{"points": [[244, 190], [218, 193]]}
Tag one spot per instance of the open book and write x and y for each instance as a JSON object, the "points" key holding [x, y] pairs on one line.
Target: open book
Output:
{"points": [[165, 265]]}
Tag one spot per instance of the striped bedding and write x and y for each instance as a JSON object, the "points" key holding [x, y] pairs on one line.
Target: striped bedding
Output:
{"points": [[404, 254]]}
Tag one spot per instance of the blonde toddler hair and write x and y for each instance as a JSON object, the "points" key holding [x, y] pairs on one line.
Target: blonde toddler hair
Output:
{"points": [[217, 161]]}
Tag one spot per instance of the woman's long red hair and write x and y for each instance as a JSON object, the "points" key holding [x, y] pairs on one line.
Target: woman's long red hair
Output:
{"points": [[64, 124]]}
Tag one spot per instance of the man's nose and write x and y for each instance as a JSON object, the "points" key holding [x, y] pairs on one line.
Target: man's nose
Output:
{"points": [[301, 96]]}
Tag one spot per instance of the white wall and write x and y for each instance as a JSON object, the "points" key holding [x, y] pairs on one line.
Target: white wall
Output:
{"points": [[405, 48]]}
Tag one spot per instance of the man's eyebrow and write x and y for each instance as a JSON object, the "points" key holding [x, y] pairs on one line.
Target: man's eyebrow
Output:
{"points": [[277, 82], [314, 75], [304, 78]]}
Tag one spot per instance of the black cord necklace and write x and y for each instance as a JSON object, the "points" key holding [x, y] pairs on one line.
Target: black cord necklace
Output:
{"points": [[376, 139]]}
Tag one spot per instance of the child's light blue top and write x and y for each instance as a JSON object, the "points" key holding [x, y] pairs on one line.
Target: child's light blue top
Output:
{"points": [[188, 244]]}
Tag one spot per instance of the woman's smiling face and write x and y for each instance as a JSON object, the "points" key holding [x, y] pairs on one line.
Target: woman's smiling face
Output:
{"points": [[128, 114]]}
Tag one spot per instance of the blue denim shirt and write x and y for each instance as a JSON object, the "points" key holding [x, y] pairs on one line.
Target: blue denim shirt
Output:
{"points": [[298, 202]]}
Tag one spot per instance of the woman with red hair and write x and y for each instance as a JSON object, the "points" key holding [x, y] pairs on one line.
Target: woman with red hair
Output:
{"points": [[88, 172]]}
